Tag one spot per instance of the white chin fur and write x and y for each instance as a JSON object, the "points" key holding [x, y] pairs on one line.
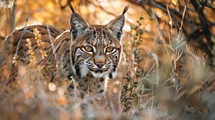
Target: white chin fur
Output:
{"points": [[114, 74], [97, 75]]}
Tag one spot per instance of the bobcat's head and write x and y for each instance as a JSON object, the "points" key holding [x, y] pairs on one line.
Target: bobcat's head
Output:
{"points": [[95, 49]]}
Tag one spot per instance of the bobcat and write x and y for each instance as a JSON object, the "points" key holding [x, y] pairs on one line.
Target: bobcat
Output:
{"points": [[92, 55], [89, 54]]}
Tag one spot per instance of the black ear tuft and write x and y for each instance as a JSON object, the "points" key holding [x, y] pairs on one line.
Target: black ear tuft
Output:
{"points": [[71, 7], [125, 9]]}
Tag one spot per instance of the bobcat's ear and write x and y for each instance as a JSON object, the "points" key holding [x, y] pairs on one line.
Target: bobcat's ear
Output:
{"points": [[77, 25], [117, 24]]}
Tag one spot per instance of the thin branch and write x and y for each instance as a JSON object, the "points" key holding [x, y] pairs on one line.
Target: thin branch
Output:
{"points": [[159, 31], [23, 32], [182, 21], [170, 21], [12, 16]]}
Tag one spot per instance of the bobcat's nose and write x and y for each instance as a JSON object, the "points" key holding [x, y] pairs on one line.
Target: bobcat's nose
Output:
{"points": [[100, 64], [99, 61]]}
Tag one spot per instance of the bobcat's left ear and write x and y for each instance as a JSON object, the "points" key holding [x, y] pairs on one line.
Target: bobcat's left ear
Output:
{"points": [[117, 24], [77, 24]]}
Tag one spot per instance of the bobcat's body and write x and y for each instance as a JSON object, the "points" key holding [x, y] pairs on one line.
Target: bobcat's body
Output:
{"points": [[15, 45], [19, 36]]}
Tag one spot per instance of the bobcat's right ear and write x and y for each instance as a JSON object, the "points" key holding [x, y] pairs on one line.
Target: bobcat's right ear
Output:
{"points": [[116, 25], [77, 25]]}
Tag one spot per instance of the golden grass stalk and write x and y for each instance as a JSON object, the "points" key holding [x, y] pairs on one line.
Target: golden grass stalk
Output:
{"points": [[40, 43], [32, 56]]}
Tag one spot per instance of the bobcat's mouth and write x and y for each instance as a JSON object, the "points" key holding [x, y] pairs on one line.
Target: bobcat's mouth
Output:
{"points": [[98, 70]]}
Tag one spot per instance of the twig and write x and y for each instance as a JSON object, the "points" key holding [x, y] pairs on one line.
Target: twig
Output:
{"points": [[182, 21], [23, 32], [170, 21], [12, 16], [51, 41]]}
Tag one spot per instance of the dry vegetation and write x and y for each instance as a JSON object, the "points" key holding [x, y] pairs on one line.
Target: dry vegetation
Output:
{"points": [[167, 71]]}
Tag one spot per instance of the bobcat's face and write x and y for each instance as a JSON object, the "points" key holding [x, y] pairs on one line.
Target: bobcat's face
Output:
{"points": [[95, 49]]}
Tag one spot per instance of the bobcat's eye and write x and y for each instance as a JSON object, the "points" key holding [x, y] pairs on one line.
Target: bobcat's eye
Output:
{"points": [[110, 49], [88, 49]]}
